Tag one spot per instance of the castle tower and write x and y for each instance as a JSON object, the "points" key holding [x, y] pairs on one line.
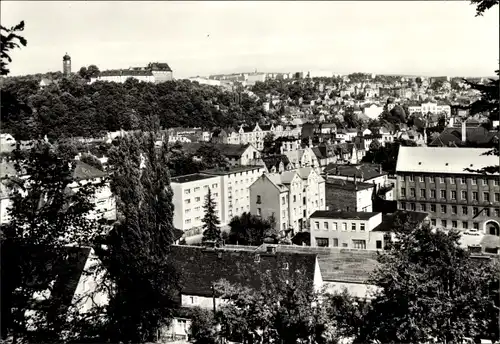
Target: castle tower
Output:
{"points": [[66, 64]]}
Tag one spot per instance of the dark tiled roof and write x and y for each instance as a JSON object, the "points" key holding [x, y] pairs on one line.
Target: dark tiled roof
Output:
{"points": [[344, 215], [201, 267], [84, 171], [190, 178], [346, 184], [157, 66], [475, 136], [274, 160], [366, 170], [229, 150], [64, 270]]}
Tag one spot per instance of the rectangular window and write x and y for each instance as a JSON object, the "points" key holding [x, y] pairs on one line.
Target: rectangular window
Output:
{"points": [[464, 195], [433, 222], [187, 211], [344, 226], [464, 210], [433, 193], [497, 212], [187, 201], [452, 180], [283, 214], [443, 193], [433, 179], [335, 226], [258, 199], [197, 218], [495, 181], [454, 224], [403, 192], [473, 180], [465, 224], [362, 227], [216, 194], [486, 196], [474, 196], [423, 207], [475, 211], [413, 207], [475, 225], [294, 198], [379, 244], [353, 226], [196, 189], [443, 223], [259, 212], [316, 225], [187, 192], [403, 205], [453, 209], [485, 181], [441, 180], [359, 244], [463, 180], [188, 221], [325, 226], [322, 242], [335, 242], [283, 200], [422, 193], [421, 179], [412, 192], [453, 195], [497, 197], [197, 199], [411, 178], [443, 209]]}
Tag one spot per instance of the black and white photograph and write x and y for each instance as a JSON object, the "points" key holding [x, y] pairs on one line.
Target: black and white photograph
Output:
{"points": [[250, 172]]}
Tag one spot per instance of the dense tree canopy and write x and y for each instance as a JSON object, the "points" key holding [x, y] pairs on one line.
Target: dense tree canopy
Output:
{"points": [[71, 107], [248, 229], [10, 39]]}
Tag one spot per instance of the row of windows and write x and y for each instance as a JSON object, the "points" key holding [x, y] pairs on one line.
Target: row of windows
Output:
{"points": [[335, 226], [454, 224], [453, 209], [187, 211], [452, 180], [198, 199], [196, 189], [356, 243], [453, 194], [240, 174]]}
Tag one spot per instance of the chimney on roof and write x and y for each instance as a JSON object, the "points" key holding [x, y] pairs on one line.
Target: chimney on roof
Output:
{"points": [[464, 135]]}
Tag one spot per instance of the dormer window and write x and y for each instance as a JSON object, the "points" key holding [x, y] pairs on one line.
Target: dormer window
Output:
{"points": [[256, 258]]}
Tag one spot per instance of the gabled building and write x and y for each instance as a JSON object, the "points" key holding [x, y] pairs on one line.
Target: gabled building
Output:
{"points": [[154, 72], [243, 266], [277, 163], [304, 157], [237, 155], [290, 197]]}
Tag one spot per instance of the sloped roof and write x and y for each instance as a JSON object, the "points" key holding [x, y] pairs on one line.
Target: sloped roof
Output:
{"points": [[275, 160], [366, 171], [65, 270], [347, 185], [84, 171], [238, 266], [157, 66], [475, 136], [443, 159]]}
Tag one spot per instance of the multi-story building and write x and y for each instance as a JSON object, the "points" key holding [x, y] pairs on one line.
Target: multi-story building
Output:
{"points": [[254, 136], [433, 108], [443, 182], [234, 189], [153, 72], [189, 196], [237, 155], [349, 195], [291, 197]]}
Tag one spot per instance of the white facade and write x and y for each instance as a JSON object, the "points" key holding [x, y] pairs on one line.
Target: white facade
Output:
{"points": [[256, 136], [373, 111], [353, 231], [189, 196], [234, 189], [433, 108], [7, 143], [123, 77]]}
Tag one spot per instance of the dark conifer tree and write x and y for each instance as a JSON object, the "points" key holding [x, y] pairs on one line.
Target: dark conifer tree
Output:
{"points": [[211, 231]]}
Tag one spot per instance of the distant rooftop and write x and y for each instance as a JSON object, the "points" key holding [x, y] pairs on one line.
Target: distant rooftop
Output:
{"points": [[346, 184], [190, 178], [343, 215]]}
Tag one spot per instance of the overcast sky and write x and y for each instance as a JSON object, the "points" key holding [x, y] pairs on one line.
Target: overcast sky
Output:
{"points": [[200, 38]]}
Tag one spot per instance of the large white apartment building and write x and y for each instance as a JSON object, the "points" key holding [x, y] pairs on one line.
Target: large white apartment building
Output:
{"points": [[291, 197], [154, 72], [190, 192], [235, 195]]}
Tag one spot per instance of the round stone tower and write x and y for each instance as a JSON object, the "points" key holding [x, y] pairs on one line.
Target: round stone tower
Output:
{"points": [[66, 64]]}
